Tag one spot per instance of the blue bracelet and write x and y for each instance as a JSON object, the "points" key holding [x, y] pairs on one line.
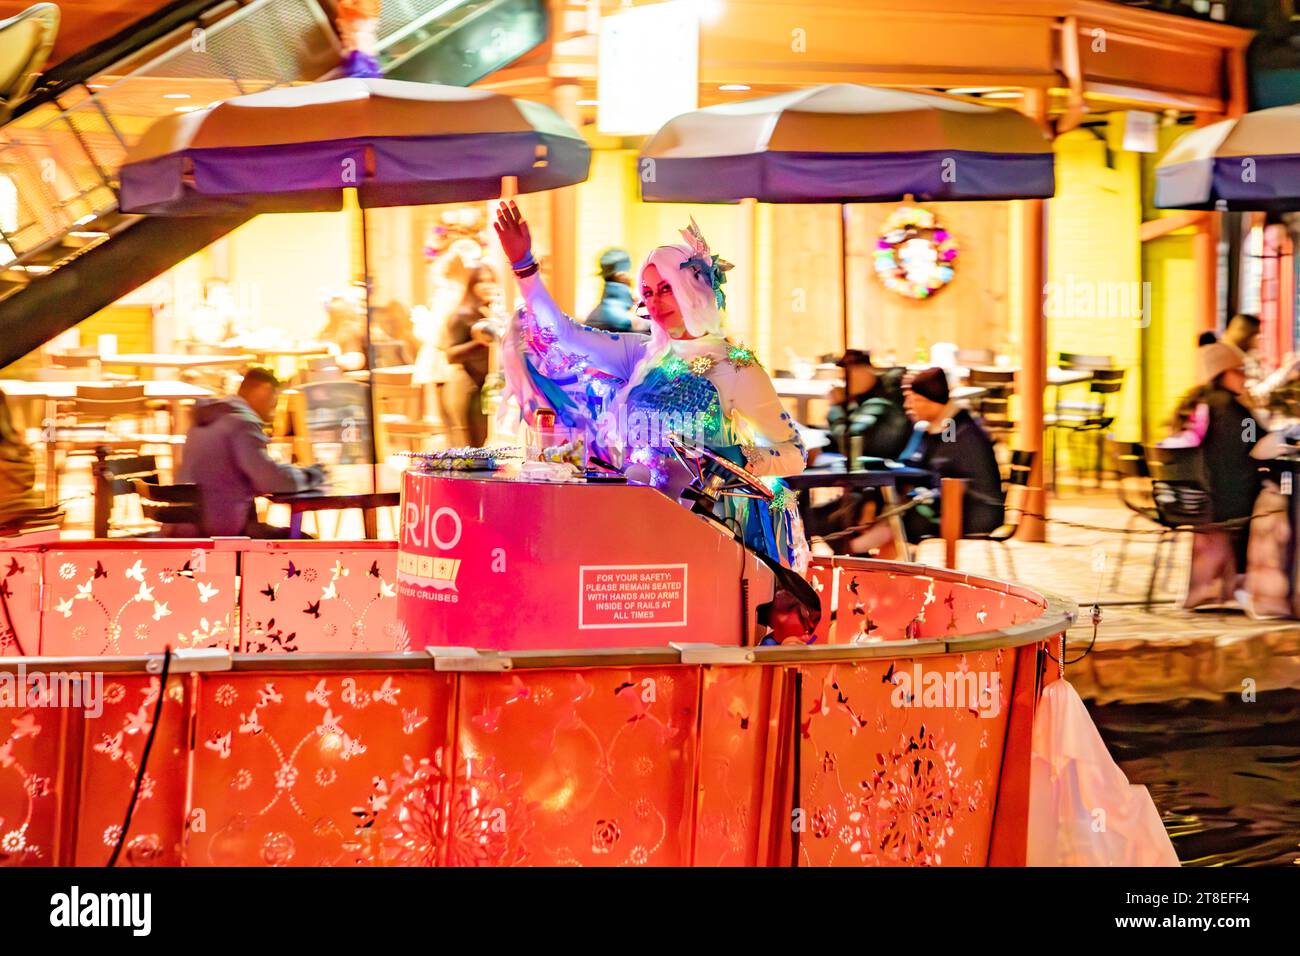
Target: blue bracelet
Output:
{"points": [[523, 263]]}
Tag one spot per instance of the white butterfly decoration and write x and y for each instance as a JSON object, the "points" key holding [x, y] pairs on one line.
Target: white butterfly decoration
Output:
{"points": [[318, 694], [138, 722], [219, 744], [111, 746], [412, 719], [386, 693], [329, 724], [250, 723]]}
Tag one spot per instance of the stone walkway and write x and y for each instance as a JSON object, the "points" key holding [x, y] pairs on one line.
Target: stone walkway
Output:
{"points": [[1216, 650]]}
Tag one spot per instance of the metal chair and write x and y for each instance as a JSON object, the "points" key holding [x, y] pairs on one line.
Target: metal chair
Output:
{"points": [[170, 504], [1135, 493], [1017, 491], [113, 478], [993, 407], [1179, 490], [1091, 415]]}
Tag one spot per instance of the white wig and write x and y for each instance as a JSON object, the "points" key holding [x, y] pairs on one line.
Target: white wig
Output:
{"points": [[694, 295]]}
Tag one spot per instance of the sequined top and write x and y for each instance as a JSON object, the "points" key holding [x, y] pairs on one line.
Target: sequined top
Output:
{"points": [[711, 377]]}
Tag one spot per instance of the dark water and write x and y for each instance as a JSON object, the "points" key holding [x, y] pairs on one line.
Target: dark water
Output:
{"points": [[1225, 774]]}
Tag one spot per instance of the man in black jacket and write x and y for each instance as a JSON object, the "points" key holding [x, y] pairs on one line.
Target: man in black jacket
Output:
{"points": [[870, 409], [949, 443]]}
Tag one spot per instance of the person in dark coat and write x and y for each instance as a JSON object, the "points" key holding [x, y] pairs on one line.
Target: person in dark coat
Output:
{"points": [[949, 443], [870, 409], [226, 456], [614, 311], [866, 418], [1216, 416]]}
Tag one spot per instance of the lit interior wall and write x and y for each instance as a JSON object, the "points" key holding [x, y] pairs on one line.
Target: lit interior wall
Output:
{"points": [[1170, 342], [1094, 300], [1171, 339], [611, 213], [784, 295], [285, 266], [972, 311]]}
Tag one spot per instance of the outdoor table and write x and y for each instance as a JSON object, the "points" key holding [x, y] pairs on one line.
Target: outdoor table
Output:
{"points": [[300, 352], [886, 479], [323, 499], [143, 360], [174, 393], [804, 390], [346, 487]]}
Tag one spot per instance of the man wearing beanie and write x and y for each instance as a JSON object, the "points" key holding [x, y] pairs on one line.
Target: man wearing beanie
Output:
{"points": [[614, 312], [949, 443]]}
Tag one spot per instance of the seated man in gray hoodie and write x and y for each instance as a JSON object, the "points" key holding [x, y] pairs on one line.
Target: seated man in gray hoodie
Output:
{"points": [[226, 456]]}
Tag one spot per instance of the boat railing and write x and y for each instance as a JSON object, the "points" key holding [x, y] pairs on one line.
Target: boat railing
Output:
{"points": [[136, 596]]}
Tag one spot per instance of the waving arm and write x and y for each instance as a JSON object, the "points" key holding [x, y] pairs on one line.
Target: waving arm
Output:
{"points": [[610, 352]]}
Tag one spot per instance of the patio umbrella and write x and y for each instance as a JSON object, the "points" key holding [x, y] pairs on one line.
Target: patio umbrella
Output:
{"points": [[844, 143], [297, 149], [396, 143], [1248, 163]]}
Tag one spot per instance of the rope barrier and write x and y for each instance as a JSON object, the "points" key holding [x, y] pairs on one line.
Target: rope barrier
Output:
{"points": [[1227, 524]]}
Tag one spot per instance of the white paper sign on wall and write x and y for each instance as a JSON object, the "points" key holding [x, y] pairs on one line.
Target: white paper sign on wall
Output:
{"points": [[1140, 132]]}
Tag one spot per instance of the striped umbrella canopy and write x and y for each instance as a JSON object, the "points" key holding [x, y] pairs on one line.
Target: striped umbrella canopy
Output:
{"points": [[397, 143], [846, 143], [1248, 163]]}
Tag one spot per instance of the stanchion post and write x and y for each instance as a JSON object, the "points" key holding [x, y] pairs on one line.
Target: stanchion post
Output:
{"points": [[951, 491]]}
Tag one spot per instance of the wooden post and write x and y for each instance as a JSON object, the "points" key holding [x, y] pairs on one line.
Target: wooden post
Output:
{"points": [[951, 492], [103, 492], [1205, 255], [1032, 380]]}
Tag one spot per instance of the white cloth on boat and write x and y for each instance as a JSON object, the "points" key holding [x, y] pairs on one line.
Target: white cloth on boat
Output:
{"points": [[1082, 809]]}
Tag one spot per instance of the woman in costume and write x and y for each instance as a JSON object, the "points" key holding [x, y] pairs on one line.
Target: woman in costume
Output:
{"points": [[629, 392]]}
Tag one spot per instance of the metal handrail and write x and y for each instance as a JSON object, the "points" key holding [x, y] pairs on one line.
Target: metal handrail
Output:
{"points": [[1057, 617], [95, 59]]}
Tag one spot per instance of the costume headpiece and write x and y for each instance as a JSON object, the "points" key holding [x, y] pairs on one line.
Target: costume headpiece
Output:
{"points": [[705, 264]]}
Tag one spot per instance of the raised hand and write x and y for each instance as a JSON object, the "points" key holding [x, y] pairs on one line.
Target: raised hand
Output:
{"points": [[513, 231]]}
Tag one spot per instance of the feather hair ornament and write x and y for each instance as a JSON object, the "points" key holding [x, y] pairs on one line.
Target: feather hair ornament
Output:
{"points": [[704, 263]]}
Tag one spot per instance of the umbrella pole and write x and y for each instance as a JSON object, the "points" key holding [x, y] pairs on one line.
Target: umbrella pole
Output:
{"points": [[370, 355], [844, 274]]}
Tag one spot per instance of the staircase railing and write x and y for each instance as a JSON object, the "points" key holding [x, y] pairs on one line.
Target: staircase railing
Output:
{"points": [[59, 159]]}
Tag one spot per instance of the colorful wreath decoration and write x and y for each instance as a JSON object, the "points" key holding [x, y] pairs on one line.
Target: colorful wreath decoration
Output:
{"points": [[915, 256]]}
